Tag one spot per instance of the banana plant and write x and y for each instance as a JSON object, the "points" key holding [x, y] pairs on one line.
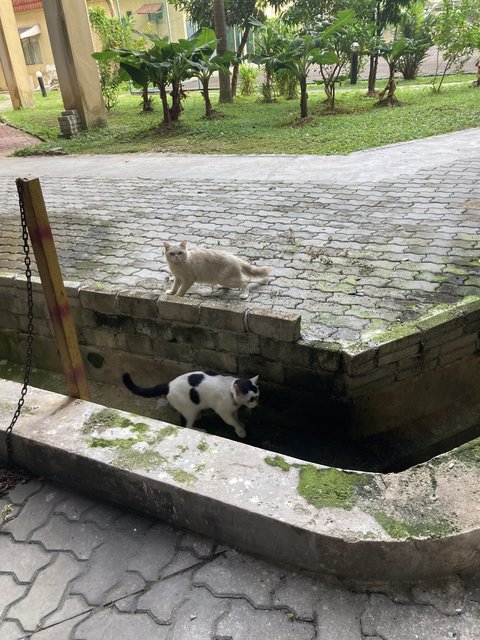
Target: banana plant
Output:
{"points": [[391, 52], [204, 61]]}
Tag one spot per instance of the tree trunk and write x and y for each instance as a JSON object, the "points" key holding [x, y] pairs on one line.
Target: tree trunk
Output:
{"points": [[303, 97], [206, 97], [221, 33], [146, 106], [176, 107], [164, 99], [241, 47], [372, 75]]}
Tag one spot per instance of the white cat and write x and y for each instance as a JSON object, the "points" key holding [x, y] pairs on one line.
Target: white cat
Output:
{"points": [[190, 393], [210, 266]]}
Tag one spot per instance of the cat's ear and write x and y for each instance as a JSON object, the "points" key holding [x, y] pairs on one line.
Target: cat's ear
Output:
{"points": [[166, 246], [254, 380], [183, 244]]}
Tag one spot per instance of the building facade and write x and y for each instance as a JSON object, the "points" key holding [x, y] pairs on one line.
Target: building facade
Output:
{"points": [[159, 17]]}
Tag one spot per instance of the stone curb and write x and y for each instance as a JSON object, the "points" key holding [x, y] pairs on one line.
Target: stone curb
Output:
{"points": [[363, 526]]}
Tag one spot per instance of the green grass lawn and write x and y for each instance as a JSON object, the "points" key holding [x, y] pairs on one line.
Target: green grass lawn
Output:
{"points": [[250, 126]]}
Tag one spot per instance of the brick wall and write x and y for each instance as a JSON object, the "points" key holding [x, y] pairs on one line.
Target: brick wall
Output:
{"points": [[386, 385]]}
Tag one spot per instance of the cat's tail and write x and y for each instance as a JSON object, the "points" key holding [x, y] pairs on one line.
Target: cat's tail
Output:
{"points": [[150, 392], [254, 272]]}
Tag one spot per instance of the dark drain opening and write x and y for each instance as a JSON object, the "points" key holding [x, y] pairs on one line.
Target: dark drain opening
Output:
{"points": [[291, 424]]}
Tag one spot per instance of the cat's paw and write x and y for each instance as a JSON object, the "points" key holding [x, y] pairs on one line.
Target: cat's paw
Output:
{"points": [[241, 432], [169, 292], [244, 296]]}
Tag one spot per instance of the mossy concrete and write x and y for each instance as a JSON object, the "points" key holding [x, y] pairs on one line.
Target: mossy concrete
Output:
{"points": [[420, 523]]}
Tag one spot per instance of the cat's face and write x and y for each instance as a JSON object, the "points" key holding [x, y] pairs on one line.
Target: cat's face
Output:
{"points": [[176, 253], [246, 392]]}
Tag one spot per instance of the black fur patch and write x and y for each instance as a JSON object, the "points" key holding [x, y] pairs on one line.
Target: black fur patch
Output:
{"points": [[194, 379], [183, 421], [245, 385], [194, 397]]}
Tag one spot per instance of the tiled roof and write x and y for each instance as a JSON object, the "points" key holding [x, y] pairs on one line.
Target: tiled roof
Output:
{"points": [[149, 8], [26, 5]]}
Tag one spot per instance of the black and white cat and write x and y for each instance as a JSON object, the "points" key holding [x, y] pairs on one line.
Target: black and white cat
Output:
{"points": [[190, 393]]}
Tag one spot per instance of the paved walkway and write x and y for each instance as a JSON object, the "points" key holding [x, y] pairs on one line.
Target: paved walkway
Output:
{"points": [[355, 243], [12, 139], [74, 568]]}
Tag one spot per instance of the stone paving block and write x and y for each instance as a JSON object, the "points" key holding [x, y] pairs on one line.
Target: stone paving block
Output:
{"points": [[244, 622], [103, 515], [40, 506], [201, 546], [384, 618], [73, 506], [11, 630], [196, 617], [22, 491], [46, 592], [447, 595], [338, 612], [109, 624], [10, 590], [234, 573], [22, 559], [59, 624], [81, 538], [157, 549], [125, 595], [106, 568], [300, 594], [164, 597]]}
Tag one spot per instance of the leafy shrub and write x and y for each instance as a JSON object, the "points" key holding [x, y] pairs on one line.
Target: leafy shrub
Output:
{"points": [[248, 75]]}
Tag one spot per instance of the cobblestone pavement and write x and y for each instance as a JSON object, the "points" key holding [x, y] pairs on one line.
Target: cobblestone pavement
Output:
{"points": [[11, 139], [74, 568], [351, 258]]}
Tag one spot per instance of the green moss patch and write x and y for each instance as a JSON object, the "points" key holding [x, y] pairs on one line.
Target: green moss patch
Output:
{"points": [[116, 443], [415, 526], [468, 453], [278, 461], [108, 419], [330, 487], [202, 446], [133, 459], [165, 432], [182, 476]]}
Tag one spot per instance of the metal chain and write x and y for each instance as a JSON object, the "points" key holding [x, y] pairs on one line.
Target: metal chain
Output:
{"points": [[28, 363]]}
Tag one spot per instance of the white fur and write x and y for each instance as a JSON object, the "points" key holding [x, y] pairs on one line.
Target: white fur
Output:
{"points": [[209, 266], [216, 392]]}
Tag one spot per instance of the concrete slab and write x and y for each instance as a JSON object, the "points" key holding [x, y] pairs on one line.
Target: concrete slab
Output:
{"points": [[420, 523]]}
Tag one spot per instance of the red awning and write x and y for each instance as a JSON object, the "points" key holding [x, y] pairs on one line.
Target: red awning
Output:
{"points": [[26, 5], [150, 8]]}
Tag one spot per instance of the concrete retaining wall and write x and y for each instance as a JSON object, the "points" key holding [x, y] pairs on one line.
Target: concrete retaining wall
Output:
{"points": [[420, 370]]}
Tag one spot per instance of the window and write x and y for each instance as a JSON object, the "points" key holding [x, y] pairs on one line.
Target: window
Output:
{"points": [[31, 50], [156, 17]]}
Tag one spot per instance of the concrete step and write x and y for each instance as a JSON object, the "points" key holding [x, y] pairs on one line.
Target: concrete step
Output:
{"points": [[420, 523]]}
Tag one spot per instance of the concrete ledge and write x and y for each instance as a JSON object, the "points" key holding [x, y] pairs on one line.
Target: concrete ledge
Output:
{"points": [[421, 523]]}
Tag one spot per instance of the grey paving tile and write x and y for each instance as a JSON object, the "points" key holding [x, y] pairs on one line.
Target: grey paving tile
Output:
{"points": [[46, 592], [391, 621], [81, 538], [156, 551], [236, 574], [22, 559], [244, 622], [11, 630], [106, 568], [10, 590], [109, 624], [163, 598]]}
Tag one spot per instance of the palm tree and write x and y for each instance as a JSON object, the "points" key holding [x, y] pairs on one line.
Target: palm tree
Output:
{"points": [[220, 21]]}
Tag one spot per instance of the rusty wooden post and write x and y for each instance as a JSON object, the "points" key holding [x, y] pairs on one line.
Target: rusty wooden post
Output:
{"points": [[43, 245]]}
